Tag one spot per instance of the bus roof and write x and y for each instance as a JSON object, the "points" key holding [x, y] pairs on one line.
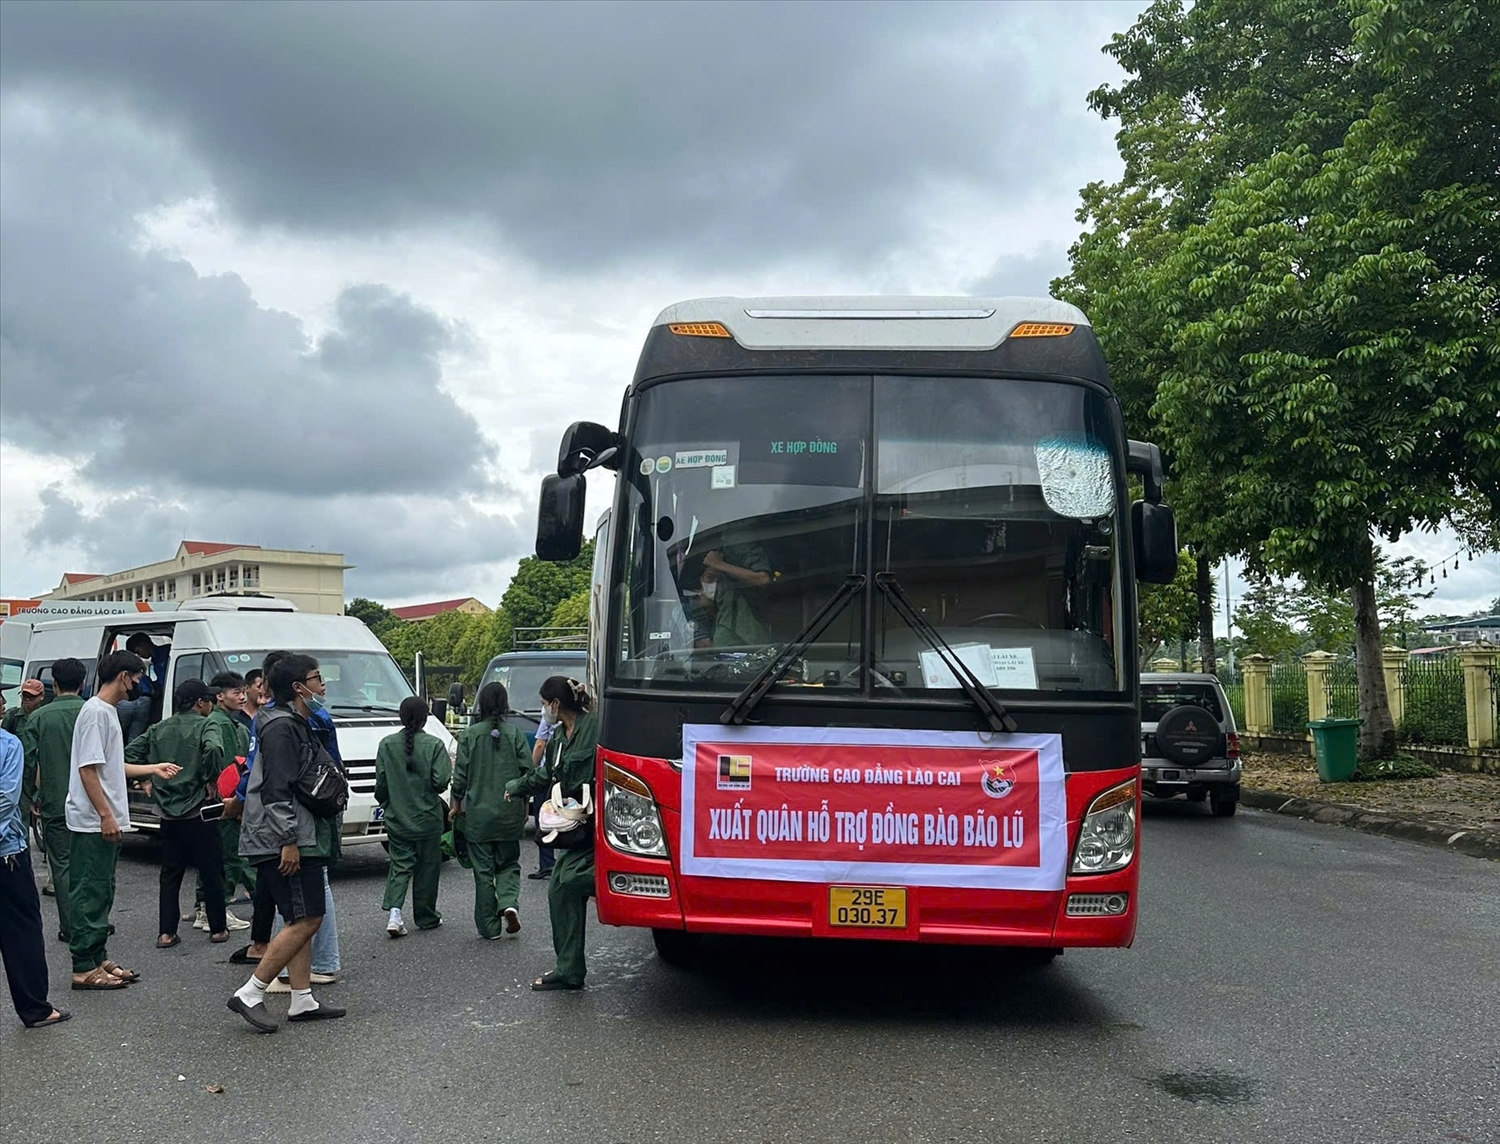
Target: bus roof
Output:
{"points": [[868, 323]]}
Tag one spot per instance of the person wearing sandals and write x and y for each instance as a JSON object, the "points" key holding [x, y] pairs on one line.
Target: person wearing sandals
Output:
{"points": [[490, 754], [196, 744], [98, 815], [570, 765], [21, 944], [411, 769]]}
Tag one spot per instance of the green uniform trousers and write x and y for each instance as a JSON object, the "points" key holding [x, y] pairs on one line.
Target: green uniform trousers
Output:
{"points": [[416, 862], [91, 896], [237, 869], [59, 842], [497, 883], [568, 893]]}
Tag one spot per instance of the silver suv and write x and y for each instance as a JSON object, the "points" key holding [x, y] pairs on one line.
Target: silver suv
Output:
{"points": [[1189, 744]]}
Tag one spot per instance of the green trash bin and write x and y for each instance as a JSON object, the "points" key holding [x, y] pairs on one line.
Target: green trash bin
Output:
{"points": [[1335, 748]]}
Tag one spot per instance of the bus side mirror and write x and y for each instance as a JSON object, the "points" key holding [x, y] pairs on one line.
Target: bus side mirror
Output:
{"points": [[456, 698], [585, 446], [1144, 460], [559, 521], [1154, 529], [440, 710]]}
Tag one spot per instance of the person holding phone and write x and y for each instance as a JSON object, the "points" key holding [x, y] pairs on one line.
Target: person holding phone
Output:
{"points": [[189, 806]]}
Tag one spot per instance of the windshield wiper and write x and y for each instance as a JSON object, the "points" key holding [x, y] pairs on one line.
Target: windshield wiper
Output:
{"points": [[979, 695], [366, 707], [739, 710]]}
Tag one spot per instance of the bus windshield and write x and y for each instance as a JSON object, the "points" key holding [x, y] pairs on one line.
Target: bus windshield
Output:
{"points": [[992, 503]]}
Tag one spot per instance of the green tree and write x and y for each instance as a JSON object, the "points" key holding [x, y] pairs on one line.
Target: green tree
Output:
{"points": [[539, 586], [1262, 620], [371, 614], [1324, 215], [572, 612], [1169, 612]]}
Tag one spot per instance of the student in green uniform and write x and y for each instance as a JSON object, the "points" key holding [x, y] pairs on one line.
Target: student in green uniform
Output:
{"points": [[47, 738], [570, 763], [33, 697], [490, 754], [194, 743], [229, 687], [411, 769]]}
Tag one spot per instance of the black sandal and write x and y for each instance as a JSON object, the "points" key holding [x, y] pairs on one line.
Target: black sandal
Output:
{"points": [[547, 982]]}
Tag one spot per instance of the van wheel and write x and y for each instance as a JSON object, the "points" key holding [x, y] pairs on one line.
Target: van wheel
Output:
{"points": [[677, 948], [1223, 805]]}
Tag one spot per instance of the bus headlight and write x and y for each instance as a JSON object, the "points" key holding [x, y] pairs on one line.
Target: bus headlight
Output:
{"points": [[632, 824], [1106, 840]]}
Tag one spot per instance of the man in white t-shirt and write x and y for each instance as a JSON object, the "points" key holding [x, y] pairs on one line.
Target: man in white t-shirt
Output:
{"points": [[98, 813]]}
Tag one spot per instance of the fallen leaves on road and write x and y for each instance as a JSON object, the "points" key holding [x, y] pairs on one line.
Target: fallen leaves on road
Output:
{"points": [[1467, 801]]}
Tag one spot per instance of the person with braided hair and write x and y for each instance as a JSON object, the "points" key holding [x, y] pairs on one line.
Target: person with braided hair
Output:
{"points": [[411, 770], [490, 754], [570, 765]]}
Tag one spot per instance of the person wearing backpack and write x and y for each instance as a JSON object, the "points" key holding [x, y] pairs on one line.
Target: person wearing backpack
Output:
{"points": [[490, 754], [189, 739], [412, 769], [571, 765], [288, 840]]}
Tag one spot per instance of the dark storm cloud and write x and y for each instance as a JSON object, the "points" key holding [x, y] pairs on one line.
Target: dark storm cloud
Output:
{"points": [[1025, 275], [589, 133], [156, 374], [399, 546]]}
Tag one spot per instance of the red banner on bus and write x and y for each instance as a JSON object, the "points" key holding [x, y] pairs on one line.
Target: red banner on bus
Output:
{"points": [[925, 808]]}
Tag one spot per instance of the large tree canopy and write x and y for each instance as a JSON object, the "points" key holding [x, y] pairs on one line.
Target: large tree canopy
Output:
{"points": [[1303, 253]]}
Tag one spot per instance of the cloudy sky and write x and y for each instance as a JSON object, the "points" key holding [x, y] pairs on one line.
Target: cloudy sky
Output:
{"points": [[335, 276]]}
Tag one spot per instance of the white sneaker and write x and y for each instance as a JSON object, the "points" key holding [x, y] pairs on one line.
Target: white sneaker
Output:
{"points": [[200, 919], [512, 920], [279, 985], [396, 927], [231, 922], [323, 978]]}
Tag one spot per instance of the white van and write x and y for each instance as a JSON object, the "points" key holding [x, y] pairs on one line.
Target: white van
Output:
{"points": [[365, 687]]}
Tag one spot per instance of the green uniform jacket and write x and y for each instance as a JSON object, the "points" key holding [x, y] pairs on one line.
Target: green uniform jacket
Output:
{"points": [[192, 742], [569, 761], [485, 765], [47, 738], [409, 788], [236, 739], [13, 721]]}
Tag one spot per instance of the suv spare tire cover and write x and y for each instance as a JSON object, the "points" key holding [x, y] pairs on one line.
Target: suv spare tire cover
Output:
{"points": [[1188, 735]]}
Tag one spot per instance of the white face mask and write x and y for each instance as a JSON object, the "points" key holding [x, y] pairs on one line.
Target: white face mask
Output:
{"points": [[549, 712], [710, 588]]}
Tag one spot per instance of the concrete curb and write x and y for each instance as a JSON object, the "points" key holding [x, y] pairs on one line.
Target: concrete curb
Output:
{"points": [[1476, 842]]}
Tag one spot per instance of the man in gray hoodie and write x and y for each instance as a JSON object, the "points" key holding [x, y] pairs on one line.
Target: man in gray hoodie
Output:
{"points": [[288, 844]]}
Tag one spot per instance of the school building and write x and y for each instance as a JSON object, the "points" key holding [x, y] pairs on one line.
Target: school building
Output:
{"points": [[314, 581]]}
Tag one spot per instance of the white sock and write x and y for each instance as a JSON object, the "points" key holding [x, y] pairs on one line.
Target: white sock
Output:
{"points": [[252, 992], [302, 1002], [395, 913]]}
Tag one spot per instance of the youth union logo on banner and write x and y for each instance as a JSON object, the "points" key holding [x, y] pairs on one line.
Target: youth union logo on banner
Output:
{"points": [[994, 781]]}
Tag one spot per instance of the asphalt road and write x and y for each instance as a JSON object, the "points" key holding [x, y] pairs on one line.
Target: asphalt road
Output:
{"points": [[1290, 982]]}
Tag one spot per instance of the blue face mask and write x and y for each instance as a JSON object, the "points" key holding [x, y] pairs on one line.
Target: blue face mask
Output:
{"points": [[314, 704]]}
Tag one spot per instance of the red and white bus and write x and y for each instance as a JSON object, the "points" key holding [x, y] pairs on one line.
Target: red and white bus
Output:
{"points": [[864, 624]]}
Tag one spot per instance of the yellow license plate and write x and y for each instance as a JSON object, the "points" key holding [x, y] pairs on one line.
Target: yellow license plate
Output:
{"points": [[868, 907]]}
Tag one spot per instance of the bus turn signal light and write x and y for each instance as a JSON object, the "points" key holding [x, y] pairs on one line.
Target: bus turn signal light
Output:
{"points": [[703, 329], [1041, 330]]}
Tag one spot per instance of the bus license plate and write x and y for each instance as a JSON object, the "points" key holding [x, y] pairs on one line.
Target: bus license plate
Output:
{"points": [[867, 907], [377, 814]]}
